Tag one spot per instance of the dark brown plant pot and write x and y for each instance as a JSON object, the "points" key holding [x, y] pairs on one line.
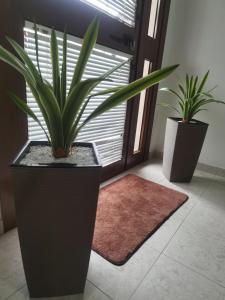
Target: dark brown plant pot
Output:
{"points": [[56, 209], [182, 147]]}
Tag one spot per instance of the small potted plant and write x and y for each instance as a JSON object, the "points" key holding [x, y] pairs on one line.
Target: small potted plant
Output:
{"points": [[57, 181], [185, 135]]}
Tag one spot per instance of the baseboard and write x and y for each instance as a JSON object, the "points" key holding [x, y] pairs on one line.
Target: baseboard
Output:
{"points": [[210, 169], [200, 166]]}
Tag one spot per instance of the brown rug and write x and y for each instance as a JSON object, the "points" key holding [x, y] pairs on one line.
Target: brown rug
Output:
{"points": [[129, 211]]}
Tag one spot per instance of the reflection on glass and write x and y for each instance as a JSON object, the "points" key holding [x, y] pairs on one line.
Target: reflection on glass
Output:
{"points": [[153, 18], [146, 70], [123, 10]]}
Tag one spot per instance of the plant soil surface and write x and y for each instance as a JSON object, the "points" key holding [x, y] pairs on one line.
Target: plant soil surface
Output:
{"points": [[41, 155]]}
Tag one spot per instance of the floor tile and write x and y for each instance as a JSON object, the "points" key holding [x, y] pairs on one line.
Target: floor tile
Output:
{"points": [[119, 282], [215, 195], [200, 250], [151, 171], [209, 219], [12, 275], [90, 293], [222, 297], [192, 240], [169, 280], [195, 188], [162, 236], [146, 170]]}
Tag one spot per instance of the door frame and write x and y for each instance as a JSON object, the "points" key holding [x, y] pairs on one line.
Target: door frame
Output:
{"points": [[143, 51], [149, 49]]}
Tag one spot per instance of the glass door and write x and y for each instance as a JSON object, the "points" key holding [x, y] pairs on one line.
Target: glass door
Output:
{"points": [[129, 29], [117, 42], [153, 24], [125, 28]]}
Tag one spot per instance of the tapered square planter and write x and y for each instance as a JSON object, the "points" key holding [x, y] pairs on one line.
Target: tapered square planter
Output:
{"points": [[56, 209], [182, 147]]}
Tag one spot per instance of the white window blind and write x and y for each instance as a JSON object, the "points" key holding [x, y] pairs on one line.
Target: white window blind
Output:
{"points": [[123, 10], [106, 130]]}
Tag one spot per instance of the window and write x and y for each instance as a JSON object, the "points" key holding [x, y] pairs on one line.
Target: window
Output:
{"points": [[124, 10], [106, 130], [153, 18], [137, 144]]}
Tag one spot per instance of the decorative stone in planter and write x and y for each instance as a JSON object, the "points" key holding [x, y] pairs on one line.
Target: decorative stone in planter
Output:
{"points": [[56, 209], [182, 147]]}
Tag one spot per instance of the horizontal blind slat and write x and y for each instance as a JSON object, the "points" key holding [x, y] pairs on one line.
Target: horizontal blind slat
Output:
{"points": [[123, 10]]}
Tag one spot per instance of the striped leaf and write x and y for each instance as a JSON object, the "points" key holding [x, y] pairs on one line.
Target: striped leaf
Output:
{"points": [[89, 41], [26, 109], [63, 83], [130, 91], [55, 66]]}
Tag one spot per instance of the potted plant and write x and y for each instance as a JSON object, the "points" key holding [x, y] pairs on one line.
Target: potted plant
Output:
{"points": [[184, 135], [57, 181]]}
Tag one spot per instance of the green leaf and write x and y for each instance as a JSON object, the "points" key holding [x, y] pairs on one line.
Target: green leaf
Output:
{"points": [[108, 73], [37, 48], [33, 89], [52, 110], [167, 105], [187, 85], [196, 112], [181, 104], [190, 87], [212, 89], [194, 86], [63, 72], [182, 90], [75, 100], [107, 91], [185, 111], [55, 66], [195, 96], [88, 44], [202, 84], [26, 59], [73, 132], [9, 58], [172, 92], [26, 109], [130, 91], [30, 74], [12, 60]]}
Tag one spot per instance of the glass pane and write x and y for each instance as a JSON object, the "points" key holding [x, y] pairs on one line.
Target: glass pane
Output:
{"points": [[123, 10], [146, 71], [106, 130], [153, 18]]}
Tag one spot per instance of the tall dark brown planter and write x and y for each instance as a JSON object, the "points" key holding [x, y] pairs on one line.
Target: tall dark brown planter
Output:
{"points": [[56, 209], [182, 147]]}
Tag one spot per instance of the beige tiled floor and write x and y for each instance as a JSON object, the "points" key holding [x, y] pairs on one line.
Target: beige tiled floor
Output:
{"points": [[183, 260]]}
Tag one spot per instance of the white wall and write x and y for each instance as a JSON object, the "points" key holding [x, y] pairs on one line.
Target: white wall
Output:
{"points": [[196, 40]]}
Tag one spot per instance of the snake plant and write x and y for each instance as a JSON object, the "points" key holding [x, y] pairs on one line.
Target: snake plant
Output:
{"points": [[192, 97], [62, 110]]}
